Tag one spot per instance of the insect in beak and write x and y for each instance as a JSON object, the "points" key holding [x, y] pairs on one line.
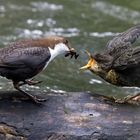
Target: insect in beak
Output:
{"points": [[72, 53]]}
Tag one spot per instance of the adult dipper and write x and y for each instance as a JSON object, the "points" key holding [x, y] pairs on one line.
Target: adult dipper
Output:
{"points": [[22, 60], [119, 64]]}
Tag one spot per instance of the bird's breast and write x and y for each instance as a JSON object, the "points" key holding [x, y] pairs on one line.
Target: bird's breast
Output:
{"points": [[112, 77]]}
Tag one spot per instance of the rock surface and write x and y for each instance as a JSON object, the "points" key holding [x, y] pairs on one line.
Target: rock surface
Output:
{"points": [[70, 116]]}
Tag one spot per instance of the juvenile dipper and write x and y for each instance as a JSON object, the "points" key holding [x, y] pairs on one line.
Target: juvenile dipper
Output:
{"points": [[22, 60], [119, 64]]}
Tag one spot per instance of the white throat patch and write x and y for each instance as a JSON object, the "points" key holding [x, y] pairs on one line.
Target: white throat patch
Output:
{"points": [[60, 48]]}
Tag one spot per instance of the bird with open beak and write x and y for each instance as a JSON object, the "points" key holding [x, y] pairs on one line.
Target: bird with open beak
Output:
{"points": [[119, 64], [22, 60]]}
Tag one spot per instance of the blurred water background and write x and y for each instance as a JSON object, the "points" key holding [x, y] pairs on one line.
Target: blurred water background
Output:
{"points": [[88, 24]]}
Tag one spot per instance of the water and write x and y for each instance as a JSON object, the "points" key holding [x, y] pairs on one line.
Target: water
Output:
{"points": [[88, 24]]}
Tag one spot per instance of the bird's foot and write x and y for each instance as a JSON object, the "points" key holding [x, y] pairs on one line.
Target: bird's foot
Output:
{"points": [[30, 96], [29, 82], [129, 100], [33, 99], [32, 82], [108, 98], [121, 101], [38, 100]]}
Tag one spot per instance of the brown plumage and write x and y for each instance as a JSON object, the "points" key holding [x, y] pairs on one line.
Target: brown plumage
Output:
{"points": [[119, 64]]}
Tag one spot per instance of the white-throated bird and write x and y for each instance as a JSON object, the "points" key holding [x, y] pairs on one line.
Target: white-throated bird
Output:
{"points": [[22, 60]]}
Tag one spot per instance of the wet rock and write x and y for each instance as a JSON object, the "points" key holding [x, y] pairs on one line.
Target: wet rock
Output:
{"points": [[70, 116]]}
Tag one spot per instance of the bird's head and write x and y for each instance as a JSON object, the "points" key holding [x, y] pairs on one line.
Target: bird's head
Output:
{"points": [[92, 65], [60, 45]]}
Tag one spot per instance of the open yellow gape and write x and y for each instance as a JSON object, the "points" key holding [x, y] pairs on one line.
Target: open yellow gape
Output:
{"points": [[90, 62]]}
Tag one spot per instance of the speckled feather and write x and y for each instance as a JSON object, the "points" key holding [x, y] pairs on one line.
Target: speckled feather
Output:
{"points": [[119, 49], [123, 40]]}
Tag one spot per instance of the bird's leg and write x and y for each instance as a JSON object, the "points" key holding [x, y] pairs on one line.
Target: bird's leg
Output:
{"points": [[21, 84], [32, 82], [29, 82], [33, 98], [128, 98]]}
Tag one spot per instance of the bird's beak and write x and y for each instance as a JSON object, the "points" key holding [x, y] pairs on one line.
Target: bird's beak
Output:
{"points": [[90, 62], [72, 53]]}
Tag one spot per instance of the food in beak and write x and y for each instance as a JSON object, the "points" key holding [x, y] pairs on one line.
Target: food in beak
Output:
{"points": [[72, 52]]}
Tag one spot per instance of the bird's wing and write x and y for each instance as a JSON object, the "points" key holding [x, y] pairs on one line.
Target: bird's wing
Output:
{"points": [[24, 57], [124, 40], [129, 59]]}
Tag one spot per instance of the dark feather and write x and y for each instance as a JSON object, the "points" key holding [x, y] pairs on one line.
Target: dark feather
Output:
{"points": [[104, 60], [22, 57], [23, 63], [124, 40], [129, 59]]}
